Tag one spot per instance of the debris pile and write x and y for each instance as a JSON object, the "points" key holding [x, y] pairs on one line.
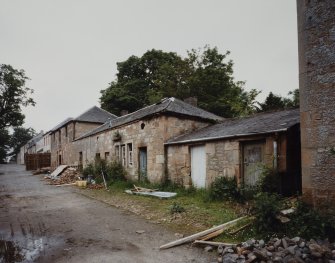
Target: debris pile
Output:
{"points": [[43, 170], [150, 192], [95, 186], [68, 176], [278, 250]]}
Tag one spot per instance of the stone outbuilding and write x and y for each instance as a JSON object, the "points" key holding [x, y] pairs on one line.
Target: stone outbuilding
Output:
{"points": [[67, 131], [137, 139], [239, 148]]}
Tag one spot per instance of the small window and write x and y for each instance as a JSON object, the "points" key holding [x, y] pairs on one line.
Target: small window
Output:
{"points": [[130, 154], [123, 154], [142, 125], [65, 131], [97, 156], [106, 155], [97, 138]]}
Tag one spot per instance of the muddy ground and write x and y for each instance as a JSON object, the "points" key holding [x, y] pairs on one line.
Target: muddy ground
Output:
{"points": [[44, 223]]}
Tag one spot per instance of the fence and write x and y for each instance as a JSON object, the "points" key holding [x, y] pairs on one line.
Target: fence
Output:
{"points": [[35, 161]]}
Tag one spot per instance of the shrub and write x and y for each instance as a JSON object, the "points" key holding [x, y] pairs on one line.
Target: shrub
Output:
{"points": [[310, 223], [115, 171], [224, 188], [269, 181], [266, 207], [88, 170], [176, 208]]}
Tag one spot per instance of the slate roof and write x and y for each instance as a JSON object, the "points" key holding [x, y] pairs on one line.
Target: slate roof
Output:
{"points": [[167, 105], [94, 114], [261, 123]]}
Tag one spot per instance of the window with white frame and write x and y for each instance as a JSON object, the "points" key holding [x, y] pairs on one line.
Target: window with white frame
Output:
{"points": [[123, 155], [130, 154]]}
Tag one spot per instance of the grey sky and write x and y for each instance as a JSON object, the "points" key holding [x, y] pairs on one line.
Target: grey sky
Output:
{"points": [[69, 49]]}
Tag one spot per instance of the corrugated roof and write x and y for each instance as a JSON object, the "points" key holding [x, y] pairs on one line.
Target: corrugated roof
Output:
{"points": [[168, 105], [261, 123], [94, 114]]}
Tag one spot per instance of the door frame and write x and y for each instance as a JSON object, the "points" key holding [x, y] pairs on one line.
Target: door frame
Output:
{"points": [[142, 176], [242, 145]]}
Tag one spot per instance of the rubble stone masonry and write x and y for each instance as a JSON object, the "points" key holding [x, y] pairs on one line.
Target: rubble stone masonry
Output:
{"points": [[316, 32]]}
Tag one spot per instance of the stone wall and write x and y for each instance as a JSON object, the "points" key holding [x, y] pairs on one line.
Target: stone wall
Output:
{"points": [[223, 158], [316, 29], [61, 141], [151, 133]]}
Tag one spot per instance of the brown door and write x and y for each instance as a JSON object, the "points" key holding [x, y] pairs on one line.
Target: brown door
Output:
{"points": [[253, 161]]}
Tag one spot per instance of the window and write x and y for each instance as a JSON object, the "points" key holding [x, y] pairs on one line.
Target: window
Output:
{"points": [[123, 154], [65, 131], [130, 154], [117, 153], [106, 155], [97, 156]]}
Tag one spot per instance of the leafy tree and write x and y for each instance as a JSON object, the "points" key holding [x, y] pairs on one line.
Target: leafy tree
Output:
{"points": [[276, 102], [204, 74], [20, 137], [13, 95], [4, 144]]}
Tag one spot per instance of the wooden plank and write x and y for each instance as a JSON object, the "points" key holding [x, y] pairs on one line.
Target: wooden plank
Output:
{"points": [[201, 234], [212, 243], [212, 235]]}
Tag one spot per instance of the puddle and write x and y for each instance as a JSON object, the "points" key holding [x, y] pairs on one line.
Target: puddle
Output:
{"points": [[10, 252]]}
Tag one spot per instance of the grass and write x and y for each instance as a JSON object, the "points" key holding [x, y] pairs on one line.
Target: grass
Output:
{"points": [[199, 214]]}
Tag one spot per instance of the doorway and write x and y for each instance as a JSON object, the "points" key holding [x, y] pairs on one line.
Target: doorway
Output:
{"points": [[198, 166], [253, 162]]}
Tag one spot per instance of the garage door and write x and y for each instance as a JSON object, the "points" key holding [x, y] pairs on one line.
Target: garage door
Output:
{"points": [[198, 166]]}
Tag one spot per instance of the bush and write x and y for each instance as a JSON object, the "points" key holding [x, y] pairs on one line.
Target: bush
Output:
{"points": [[176, 208], [115, 171], [266, 207], [310, 223], [269, 181], [224, 188]]}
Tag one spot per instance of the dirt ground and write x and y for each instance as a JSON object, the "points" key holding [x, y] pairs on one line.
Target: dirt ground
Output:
{"points": [[44, 223]]}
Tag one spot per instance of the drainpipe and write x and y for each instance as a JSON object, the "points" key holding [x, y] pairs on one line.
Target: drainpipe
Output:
{"points": [[275, 155]]}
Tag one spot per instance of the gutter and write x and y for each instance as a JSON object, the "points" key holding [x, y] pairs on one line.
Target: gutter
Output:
{"points": [[222, 137]]}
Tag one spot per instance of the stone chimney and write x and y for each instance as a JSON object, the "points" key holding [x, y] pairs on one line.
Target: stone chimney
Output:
{"points": [[316, 34], [192, 100]]}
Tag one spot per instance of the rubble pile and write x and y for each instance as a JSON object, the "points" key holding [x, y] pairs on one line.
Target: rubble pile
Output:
{"points": [[95, 186], [70, 175], [277, 250], [44, 170]]}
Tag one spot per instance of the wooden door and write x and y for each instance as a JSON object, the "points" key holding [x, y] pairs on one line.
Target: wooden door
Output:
{"points": [[253, 161], [143, 163], [198, 166]]}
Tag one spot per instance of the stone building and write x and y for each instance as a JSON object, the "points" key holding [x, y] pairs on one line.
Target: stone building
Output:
{"points": [[65, 132], [316, 34], [137, 139], [239, 148]]}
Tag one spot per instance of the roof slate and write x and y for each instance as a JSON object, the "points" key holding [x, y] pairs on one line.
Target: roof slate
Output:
{"points": [[168, 105], [261, 123], [94, 114]]}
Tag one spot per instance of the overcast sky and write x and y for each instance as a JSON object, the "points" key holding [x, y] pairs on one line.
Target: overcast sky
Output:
{"points": [[69, 48]]}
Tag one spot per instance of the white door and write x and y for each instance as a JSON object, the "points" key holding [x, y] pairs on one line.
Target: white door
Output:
{"points": [[198, 166]]}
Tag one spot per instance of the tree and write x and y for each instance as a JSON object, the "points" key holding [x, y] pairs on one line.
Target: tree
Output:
{"points": [[204, 74], [13, 95], [20, 137], [277, 102]]}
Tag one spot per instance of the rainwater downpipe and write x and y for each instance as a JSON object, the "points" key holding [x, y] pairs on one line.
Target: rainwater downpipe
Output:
{"points": [[275, 156]]}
